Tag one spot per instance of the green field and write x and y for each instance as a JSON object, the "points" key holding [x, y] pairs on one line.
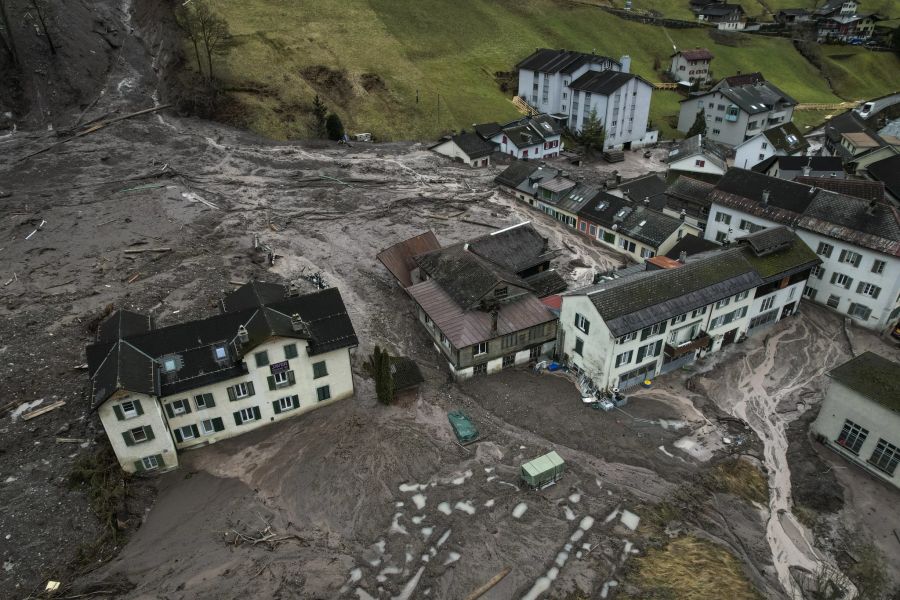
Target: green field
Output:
{"points": [[370, 59]]}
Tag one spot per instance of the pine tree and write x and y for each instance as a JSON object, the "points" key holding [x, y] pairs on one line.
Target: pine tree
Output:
{"points": [[334, 127], [320, 114], [379, 367], [592, 136], [699, 126]]}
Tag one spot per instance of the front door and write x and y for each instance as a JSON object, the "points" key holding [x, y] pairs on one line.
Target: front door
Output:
{"points": [[729, 337], [788, 310]]}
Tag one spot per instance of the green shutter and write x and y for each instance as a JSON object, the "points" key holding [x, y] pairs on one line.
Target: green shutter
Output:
{"points": [[271, 380], [276, 406], [218, 425], [118, 410], [129, 441], [250, 389], [231, 395], [262, 359], [195, 430], [209, 400], [169, 411], [149, 431], [186, 403], [291, 379], [256, 413], [178, 437], [237, 418], [296, 400], [160, 461], [138, 466], [290, 351], [138, 407]]}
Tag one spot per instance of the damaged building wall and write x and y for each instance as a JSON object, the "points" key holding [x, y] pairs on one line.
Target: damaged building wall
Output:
{"points": [[137, 431]]}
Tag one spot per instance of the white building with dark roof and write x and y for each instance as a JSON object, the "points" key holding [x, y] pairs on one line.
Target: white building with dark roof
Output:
{"points": [[466, 147], [270, 355], [858, 240], [860, 415], [698, 155], [624, 330], [529, 138], [545, 76], [781, 140]]}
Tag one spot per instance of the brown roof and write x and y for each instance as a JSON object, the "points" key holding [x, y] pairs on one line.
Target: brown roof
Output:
{"points": [[861, 140], [399, 258], [697, 54], [664, 262], [465, 328], [858, 188]]}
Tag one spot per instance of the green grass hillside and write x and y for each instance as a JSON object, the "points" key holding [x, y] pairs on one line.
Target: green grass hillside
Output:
{"points": [[370, 59]]}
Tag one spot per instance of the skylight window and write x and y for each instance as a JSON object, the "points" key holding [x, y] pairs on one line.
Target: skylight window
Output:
{"points": [[170, 364], [220, 352], [603, 205], [642, 223], [622, 212]]}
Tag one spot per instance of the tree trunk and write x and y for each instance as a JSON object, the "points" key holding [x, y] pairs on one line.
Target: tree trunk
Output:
{"points": [[209, 61], [44, 27], [9, 44], [197, 54]]}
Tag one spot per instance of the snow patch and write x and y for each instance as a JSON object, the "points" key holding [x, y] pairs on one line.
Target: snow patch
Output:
{"points": [[575, 498], [489, 503], [396, 527], [586, 523], [419, 501], [519, 510], [427, 531], [444, 507], [466, 507], [630, 520]]}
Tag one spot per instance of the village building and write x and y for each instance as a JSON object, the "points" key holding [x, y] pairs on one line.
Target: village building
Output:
{"points": [[529, 138], [792, 167], [692, 65], [737, 109], [858, 188], [688, 199], [649, 189], [466, 147], [859, 418], [793, 16], [839, 21], [645, 322], [478, 300], [270, 355], [698, 156], [727, 17], [869, 118], [570, 86], [781, 140], [887, 172], [858, 240]]}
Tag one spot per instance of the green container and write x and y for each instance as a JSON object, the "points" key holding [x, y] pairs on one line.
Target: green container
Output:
{"points": [[543, 471], [465, 431]]}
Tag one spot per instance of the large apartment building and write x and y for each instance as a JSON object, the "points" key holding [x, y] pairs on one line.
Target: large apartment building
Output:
{"points": [[654, 319], [270, 355], [857, 240]]}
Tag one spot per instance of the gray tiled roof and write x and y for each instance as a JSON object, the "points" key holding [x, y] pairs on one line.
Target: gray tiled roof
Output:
{"points": [[603, 82], [516, 173], [873, 376], [786, 137], [757, 98], [546, 60], [470, 143]]}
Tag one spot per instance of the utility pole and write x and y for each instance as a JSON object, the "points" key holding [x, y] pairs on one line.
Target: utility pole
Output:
{"points": [[439, 112]]}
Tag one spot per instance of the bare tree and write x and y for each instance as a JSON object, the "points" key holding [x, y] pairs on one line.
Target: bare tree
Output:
{"points": [[40, 15], [6, 37], [187, 19], [206, 30]]}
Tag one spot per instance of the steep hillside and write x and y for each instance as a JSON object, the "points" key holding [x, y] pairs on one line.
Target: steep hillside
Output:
{"points": [[412, 69]]}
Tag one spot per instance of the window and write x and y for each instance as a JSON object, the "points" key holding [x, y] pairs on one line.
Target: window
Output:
{"points": [[130, 409], [593, 230], [139, 434], [878, 266], [508, 341], [720, 107], [204, 401], [742, 295], [723, 218], [647, 253], [581, 323], [817, 271], [717, 131], [324, 392], [650, 350], [180, 407], [579, 346], [187, 432], [825, 249], [150, 462], [480, 369], [444, 340], [628, 337], [767, 304], [718, 119], [509, 360], [207, 427], [320, 369], [699, 311], [852, 436], [858, 311], [169, 364], [723, 302], [242, 390], [480, 348], [656, 329], [842, 280], [262, 359], [765, 145], [721, 237], [851, 257], [867, 289], [582, 226], [609, 237], [624, 358], [626, 245], [833, 301], [699, 163], [290, 351], [287, 403], [679, 319], [809, 292], [885, 457], [280, 378], [220, 352], [246, 415]]}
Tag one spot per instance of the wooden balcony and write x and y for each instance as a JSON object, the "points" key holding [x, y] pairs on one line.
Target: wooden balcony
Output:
{"points": [[701, 342]]}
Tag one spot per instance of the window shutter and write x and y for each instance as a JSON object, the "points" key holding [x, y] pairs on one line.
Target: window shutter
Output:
{"points": [[833, 276], [210, 401], [291, 379], [129, 441], [256, 413], [856, 260], [237, 418], [250, 388], [849, 283], [159, 460], [842, 256], [295, 399], [231, 395], [138, 407], [859, 287], [169, 411], [138, 466], [290, 351], [178, 437], [187, 405], [876, 292], [587, 326], [118, 410], [195, 430], [218, 425], [276, 406], [271, 380], [149, 431]]}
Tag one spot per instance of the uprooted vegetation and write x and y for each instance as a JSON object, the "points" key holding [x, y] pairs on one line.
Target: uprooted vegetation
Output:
{"points": [[740, 478]]}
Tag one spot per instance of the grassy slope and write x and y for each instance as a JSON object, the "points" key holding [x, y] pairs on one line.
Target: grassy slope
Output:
{"points": [[449, 49], [679, 9], [857, 73]]}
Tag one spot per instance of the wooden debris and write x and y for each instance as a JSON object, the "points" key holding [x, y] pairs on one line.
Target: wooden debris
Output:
{"points": [[81, 367], [61, 440], [481, 591], [479, 223], [139, 250], [265, 536], [43, 410], [134, 278]]}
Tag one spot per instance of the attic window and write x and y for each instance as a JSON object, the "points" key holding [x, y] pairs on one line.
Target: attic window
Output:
{"points": [[621, 213], [792, 139], [169, 364], [220, 353], [642, 223], [501, 292], [602, 205]]}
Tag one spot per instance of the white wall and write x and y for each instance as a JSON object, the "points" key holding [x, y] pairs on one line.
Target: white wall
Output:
{"points": [[754, 151], [688, 164], [451, 150], [623, 114], [161, 443], [842, 403]]}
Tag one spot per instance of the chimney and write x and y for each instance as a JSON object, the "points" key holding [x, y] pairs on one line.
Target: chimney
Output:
{"points": [[647, 200], [626, 63], [297, 323], [242, 335], [806, 170], [682, 256], [495, 313], [765, 197], [683, 214]]}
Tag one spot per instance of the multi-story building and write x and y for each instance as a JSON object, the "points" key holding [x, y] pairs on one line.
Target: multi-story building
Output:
{"points": [[727, 17], [737, 108], [650, 321], [478, 300], [858, 240], [571, 86], [269, 356], [698, 156], [692, 65], [528, 138], [781, 140], [838, 21], [792, 167], [860, 415]]}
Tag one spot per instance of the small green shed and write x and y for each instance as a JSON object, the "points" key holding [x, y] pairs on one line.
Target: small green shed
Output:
{"points": [[543, 471]]}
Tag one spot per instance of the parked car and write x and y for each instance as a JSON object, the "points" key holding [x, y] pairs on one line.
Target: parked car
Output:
{"points": [[462, 426]]}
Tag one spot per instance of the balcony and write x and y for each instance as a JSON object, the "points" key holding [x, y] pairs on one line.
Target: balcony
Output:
{"points": [[701, 342]]}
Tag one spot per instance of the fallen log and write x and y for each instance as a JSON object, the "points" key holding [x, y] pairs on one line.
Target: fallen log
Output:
{"points": [[484, 589], [139, 250], [43, 410]]}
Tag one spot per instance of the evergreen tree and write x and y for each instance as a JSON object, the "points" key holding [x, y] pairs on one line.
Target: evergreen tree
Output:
{"points": [[320, 114], [334, 127], [699, 126], [592, 136], [379, 367]]}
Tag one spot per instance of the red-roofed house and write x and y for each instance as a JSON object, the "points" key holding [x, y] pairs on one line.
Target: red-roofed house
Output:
{"points": [[691, 65]]}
